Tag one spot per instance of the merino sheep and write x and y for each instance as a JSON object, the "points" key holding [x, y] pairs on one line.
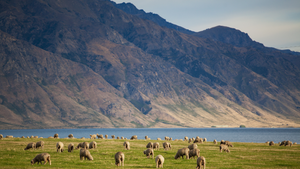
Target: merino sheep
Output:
{"points": [[156, 145], [159, 161], [83, 145], [84, 153], [167, 145], [106, 136], [30, 145], [39, 144], [70, 147], [133, 137], [186, 138], [126, 145], [55, 135], [41, 157], [113, 136], [288, 143], [149, 145], [215, 141], [194, 152], [201, 162], [182, 152], [70, 136], [224, 147], [193, 146], [119, 158], [149, 152], [93, 145], [93, 136], [59, 147], [271, 143]]}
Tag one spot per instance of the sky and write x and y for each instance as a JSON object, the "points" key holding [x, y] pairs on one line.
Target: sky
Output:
{"points": [[274, 23]]}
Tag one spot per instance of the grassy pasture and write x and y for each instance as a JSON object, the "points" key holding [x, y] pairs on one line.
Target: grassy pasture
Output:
{"points": [[242, 155]]}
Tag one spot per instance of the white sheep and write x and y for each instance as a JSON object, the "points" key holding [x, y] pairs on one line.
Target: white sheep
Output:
{"points": [[119, 158], [159, 160]]}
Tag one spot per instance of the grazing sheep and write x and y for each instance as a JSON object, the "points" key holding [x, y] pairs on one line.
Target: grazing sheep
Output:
{"points": [[126, 145], [271, 143], [21, 137], [119, 158], [93, 136], [282, 143], [39, 144], [267, 142], [70, 136], [146, 137], [118, 138], [31, 136], [106, 136], [48, 137], [204, 140], [288, 143], [30, 145], [182, 152], [55, 135], [228, 143], [158, 138], [201, 162], [190, 140], [193, 146], [122, 138], [133, 137], [222, 142], [113, 136], [159, 161], [198, 140], [1, 136], [194, 152], [59, 147], [41, 157], [100, 136], [167, 138], [224, 147], [70, 147], [8, 136], [295, 143], [170, 139], [176, 140], [156, 145], [83, 145], [215, 141], [197, 137], [186, 138], [149, 145], [166, 145], [93, 144], [84, 153], [36, 137], [149, 152]]}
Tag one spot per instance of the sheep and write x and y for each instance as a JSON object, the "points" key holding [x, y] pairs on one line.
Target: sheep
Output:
{"points": [[271, 143], [146, 137], [36, 137], [198, 140], [100, 136], [282, 143], [190, 140], [215, 141], [119, 158], [41, 157], [21, 137], [83, 145], [197, 137], [201, 162], [48, 137], [167, 138], [70, 147], [222, 142], [156, 145], [133, 137], [194, 152], [224, 147], [93, 144], [126, 145], [228, 143], [149, 145], [118, 138], [204, 140], [159, 160], [40, 144], [55, 135], [93, 136], [166, 145], [193, 146], [70, 136], [84, 153], [113, 136], [122, 138], [288, 143], [31, 136], [158, 138], [182, 152], [30, 145], [186, 138], [106, 136], [59, 147], [1, 136], [170, 139], [149, 152], [9, 136], [295, 143]]}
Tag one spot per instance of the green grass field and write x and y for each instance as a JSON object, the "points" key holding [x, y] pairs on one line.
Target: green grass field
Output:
{"points": [[242, 155]]}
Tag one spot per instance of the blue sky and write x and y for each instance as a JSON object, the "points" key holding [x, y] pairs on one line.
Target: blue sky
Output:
{"points": [[275, 23]]}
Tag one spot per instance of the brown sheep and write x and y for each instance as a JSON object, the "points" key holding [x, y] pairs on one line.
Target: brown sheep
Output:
{"points": [[71, 147], [84, 153], [159, 161], [133, 137], [93, 136], [167, 146], [201, 162], [215, 141], [271, 143], [40, 144], [182, 152], [70, 136], [41, 157], [288, 143], [194, 152], [149, 152], [30, 145], [83, 145], [156, 145], [55, 135], [93, 145], [59, 147], [193, 146], [126, 145], [119, 158], [149, 145], [224, 147]]}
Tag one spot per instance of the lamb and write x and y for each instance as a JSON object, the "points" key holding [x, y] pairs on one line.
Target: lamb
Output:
{"points": [[84, 153], [71, 147], [55, 135], [83, 145], [159, 160], [156, 145], [93, 136], [149, 152], [30, 145], [100, 136], [149, 145], [70, 136], [93, 144], [271, 143], [194, 152], [182, 152], [59, 147], [215, 141], [288, 143], [201, 162], [126, 144], [192, 146], [119, 158], [133, 137], [224, 147], [40, 144], [166, 145], [41, 157]]}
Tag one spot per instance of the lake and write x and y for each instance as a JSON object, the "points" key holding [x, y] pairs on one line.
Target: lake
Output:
{"points": [[256, 135]]}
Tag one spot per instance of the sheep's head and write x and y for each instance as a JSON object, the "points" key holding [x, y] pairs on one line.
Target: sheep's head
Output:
{"points": [[32, 162]]}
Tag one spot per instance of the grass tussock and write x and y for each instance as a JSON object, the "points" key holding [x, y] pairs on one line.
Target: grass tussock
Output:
{"points": [[242, 155]]}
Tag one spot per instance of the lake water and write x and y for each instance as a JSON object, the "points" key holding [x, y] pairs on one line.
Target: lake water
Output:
{"points": [[256, 135]]}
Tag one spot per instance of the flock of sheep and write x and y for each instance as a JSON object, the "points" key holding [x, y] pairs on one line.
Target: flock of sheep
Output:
{"points": [[190, 152]]}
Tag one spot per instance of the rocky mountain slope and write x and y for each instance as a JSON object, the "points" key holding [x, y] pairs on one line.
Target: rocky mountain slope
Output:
{"points": [[68, 64]]}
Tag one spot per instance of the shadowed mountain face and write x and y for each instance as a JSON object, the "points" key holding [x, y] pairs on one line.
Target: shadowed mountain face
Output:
{"points": [[89, 64]]}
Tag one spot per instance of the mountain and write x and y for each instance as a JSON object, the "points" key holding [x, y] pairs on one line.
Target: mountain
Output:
{"points": [[69, 64]]}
